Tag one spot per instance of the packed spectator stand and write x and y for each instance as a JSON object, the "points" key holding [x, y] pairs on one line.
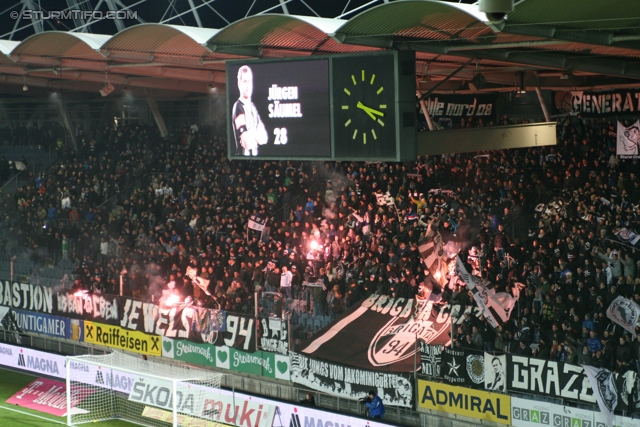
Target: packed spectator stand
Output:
{"points": [[134, 210]]}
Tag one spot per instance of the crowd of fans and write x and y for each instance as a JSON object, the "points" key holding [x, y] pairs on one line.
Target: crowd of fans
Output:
{"points": [[338, 232]]}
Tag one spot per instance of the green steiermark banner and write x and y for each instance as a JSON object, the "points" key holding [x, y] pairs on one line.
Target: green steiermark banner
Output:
{"points": [[268, 365], [259, 363], [200, 354]]}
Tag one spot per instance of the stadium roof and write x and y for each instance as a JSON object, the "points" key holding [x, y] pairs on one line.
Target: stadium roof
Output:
{"points": [[565, 44]]}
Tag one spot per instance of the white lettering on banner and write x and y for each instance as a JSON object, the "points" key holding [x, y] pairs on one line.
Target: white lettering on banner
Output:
{"points": [[239, 327], [94, 306], [42, 325], [27, 297], [437, 108], [203, 402], [274, 336], [243, 358], [169, 322], [544, 377], [187, 347]]}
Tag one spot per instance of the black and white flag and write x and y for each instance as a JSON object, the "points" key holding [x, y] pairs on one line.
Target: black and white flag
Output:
{"points": [[463, 366], [605, 391], [385, 199], [628, 236], [496, 307], [495, 372], [628, 140], [625, 313], [433, 256], [256, 223], [431, 359]]}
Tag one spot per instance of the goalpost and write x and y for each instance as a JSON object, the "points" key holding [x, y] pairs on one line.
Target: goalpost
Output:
{"points": [[145, 392]]}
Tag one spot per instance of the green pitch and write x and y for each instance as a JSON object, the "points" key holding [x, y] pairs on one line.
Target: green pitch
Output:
{"points": [[12, 382]]}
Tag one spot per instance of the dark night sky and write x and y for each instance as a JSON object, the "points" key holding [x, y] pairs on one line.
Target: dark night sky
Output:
{"points": [[153, 11]]}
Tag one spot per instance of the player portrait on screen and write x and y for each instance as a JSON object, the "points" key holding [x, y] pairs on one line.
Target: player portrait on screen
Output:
{"points": [[248, 129]]}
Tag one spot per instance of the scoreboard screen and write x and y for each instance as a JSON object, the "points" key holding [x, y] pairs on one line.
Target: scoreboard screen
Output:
{"points": [[279, 109], [340, 107]]}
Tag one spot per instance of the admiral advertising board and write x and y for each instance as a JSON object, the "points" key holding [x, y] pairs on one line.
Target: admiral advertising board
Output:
{"points": [[471, 403]]}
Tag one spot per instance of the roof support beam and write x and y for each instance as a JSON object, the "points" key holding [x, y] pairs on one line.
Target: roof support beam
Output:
{"points": [[503, 45], [196, 15], [544, 59], [462, 67], [111, 4], [153, 106]]}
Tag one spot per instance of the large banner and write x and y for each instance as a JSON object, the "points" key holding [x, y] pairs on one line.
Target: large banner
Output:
{"points": [[551, 378], [258, 363], [464, 401], [382, 333], [178, 321], [351, 383], [597, 104]]}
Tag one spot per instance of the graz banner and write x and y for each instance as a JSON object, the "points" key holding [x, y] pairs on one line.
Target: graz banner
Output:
{"points": [[352, 383], [464, 367], [551, 378], [533, 413], [116, 337], [380, 333], [464, 401], [450, 106], [274, 335], [590, 104]]}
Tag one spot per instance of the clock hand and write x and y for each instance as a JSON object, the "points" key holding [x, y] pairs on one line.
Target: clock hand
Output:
{"points": [[371, 112]]}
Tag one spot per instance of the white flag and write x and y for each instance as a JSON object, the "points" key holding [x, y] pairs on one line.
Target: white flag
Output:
{"points": [[256, 223], [191, 273], [625, 313], [604, 390], [491, 303], [385, 199]]}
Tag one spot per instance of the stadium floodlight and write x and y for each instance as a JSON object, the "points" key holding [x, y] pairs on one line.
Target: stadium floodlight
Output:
{"points": [[146, 392]]}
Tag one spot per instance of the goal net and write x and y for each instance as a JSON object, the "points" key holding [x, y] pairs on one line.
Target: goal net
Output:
{"points": [[145, 392]]}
